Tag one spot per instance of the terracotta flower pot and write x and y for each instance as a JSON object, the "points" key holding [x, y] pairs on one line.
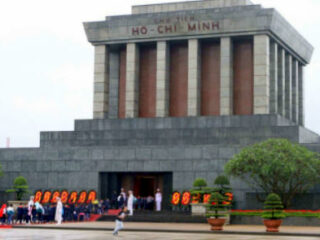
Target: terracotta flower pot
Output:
{"points": [[272, 225], [216, 223]]}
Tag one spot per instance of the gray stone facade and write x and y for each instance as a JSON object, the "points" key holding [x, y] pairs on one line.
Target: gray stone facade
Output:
{"points": [[183, 148], [186, 147]]}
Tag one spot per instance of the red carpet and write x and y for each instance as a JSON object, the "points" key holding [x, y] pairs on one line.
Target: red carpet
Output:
{"points": [[94, 217], [5, 226], [113, 212]]}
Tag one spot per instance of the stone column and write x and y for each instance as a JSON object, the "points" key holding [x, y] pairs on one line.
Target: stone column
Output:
{"points": [[288, 87], [132, 77], [301, 94], [295, 91], [273, 78], [226, 77], [281, 81], [114, 84], [162, 95], [101, 81], [261, 73], [193, 78]]}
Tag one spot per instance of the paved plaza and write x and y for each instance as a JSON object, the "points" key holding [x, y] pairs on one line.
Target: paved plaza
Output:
{"points": [[36, 234], [202, 228]]}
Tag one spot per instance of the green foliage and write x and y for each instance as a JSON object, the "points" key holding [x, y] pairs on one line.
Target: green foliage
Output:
{"points": [[200, 183], [223, 184], [204, 190], [246, 213], [216, 208], [278, 166], [20, 187], [222, 180], [273, 207]]}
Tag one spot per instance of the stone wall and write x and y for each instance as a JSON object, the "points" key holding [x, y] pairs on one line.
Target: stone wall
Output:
{"points": [[187, 147]]}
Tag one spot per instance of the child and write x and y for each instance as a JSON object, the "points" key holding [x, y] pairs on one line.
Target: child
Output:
{"points": [[119, 220], [20, 212], [10, 212], [3, 213]]}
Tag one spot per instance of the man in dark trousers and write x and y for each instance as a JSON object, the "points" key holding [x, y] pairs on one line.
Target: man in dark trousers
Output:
{"points": [[119, 220]]}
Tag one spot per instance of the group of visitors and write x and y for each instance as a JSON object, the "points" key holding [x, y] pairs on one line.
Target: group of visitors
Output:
{"points": [[34, 212], [140, 203], [132, 202]]}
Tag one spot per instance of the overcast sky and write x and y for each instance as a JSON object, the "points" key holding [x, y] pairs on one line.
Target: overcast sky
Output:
{"points": [[46, 63]]}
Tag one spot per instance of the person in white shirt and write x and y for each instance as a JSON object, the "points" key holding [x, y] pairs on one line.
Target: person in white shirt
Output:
{"points": [[158, 198], [130, 203], [123, 194], [59, 211], [10, 213], [30, 206]]}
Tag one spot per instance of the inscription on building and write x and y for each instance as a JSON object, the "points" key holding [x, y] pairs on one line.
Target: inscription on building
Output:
{"points": [[174, 25]]}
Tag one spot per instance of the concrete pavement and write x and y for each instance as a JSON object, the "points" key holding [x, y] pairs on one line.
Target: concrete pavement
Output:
{"points": [[49, 234], [193, 228]]}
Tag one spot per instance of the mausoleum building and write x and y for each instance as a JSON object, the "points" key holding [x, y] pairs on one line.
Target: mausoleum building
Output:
{"points": [[179, 88]]}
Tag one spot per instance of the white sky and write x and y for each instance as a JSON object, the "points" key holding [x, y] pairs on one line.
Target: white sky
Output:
{"points": [[46, 63]]}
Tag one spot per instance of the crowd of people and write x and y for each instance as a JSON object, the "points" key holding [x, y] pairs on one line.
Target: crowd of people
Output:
{"points": [[35, 212], [140, 203], [50, 213]]}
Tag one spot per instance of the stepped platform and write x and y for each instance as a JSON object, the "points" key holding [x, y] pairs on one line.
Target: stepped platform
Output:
{"points": [[231, 130], [99, 153]]}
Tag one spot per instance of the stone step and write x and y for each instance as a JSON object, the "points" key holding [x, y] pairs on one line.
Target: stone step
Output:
{"points": [[183, 122], [145, 137]]}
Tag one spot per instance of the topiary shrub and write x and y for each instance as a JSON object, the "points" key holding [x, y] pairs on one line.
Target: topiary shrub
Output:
{"points": [[223, 184], [199, 183], [273, 207], [222, 180], [216, 207], [20, 187]]}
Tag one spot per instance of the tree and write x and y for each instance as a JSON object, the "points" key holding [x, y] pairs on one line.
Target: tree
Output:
{"points": [[223, 184], [199, 183], [20, 187], [277, 166]]}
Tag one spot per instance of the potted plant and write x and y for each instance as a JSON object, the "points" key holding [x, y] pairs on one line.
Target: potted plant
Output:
{"points": [[222, 185], [216, 211], [20, 187], [197, 192], [273, 213]]}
